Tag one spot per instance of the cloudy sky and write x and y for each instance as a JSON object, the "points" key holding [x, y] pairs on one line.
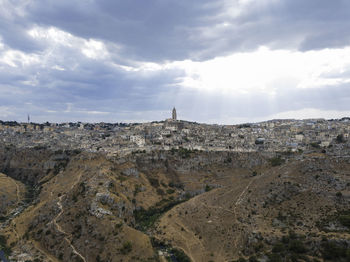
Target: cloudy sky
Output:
{"points": [[217, 61]]}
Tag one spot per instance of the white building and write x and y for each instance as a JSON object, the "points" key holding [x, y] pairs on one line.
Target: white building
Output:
{"points": [[138, 140]]}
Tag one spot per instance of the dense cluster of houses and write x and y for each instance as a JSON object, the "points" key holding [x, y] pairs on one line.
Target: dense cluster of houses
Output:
{"points": [[120, 138]]}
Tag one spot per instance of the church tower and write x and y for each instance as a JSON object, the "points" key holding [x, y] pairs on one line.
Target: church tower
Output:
{"points": [[174, 117]]}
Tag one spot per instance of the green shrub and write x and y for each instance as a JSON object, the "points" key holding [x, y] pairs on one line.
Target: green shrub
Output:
{"points": [[180, 255], [153, 181], [276, 161], [345, 219], [278, 247], [253, 259], [146, 218], [183, 152], [3, 245], [297, 246], [334, 251], [315, 144], [137, 189], [274, 258], [126, 248], [339, 194], [340, 138], [170, 191], [208, 188], [160, 191]]}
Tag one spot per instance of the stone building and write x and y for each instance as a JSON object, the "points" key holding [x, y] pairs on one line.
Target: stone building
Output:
{"points": [[174, 116]]}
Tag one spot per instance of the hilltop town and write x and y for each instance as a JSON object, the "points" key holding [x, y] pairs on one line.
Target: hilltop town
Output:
{"points": [[175, 190], [122, 139]]}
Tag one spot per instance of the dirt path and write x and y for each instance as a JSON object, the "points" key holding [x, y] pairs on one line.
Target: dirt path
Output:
{"points": [[242, 195], [217, 207], [59, 228], [238, 202]]}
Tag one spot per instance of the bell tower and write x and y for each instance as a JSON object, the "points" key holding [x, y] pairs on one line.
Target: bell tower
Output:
{"points": [[174, 116]]}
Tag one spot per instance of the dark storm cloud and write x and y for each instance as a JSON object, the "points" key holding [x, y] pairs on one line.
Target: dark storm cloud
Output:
{"points": [[90, 86], [157, 31], [147, 30], [312, 24], [175, 30], [13, 28]]}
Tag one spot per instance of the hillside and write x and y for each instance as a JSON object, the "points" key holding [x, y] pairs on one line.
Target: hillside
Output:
{"points": [[12, 193], [177, 205]]}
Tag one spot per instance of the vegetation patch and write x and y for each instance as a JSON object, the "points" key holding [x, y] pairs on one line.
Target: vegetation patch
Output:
{"points": [[182, 152], [3, 246], [344, 218], [31, 193], [315, 144], [297, 248], [178, 255], [145, 219], [60, 166], [153, 181], [340, 219], [170, 191], [126, 248], [276, 161], [340, 138], [335, 251], [172, 254], [207, 188]]}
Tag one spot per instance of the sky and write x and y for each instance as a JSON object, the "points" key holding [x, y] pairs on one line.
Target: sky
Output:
{"points": [[216, 61]]}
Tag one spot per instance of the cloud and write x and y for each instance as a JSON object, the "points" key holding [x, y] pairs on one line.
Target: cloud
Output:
{"points": [[147, 31], [80, 75], [178, 30], [217, 61]]}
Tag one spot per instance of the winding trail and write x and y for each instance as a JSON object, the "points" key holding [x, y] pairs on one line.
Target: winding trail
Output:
{"points": [[242, 195], [59, 228], [238, 202]]}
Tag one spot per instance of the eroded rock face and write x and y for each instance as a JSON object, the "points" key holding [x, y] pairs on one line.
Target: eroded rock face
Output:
{"points": [[131, 172], [31, 165], [115, 206], [97, 211]]}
